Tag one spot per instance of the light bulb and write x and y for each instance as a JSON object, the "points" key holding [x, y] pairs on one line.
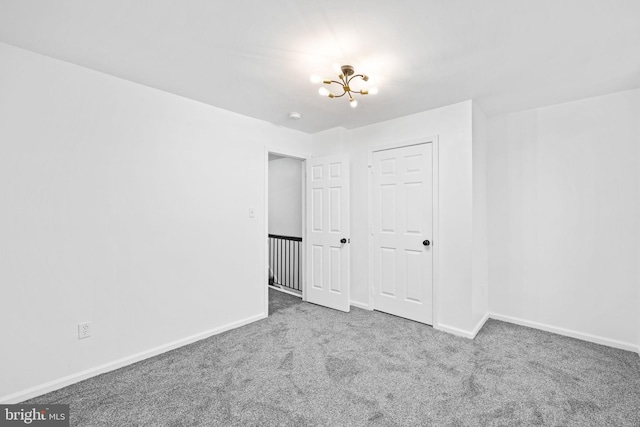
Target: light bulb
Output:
{"points": [[353, 103], [323, 91], [373, 91], [337, 68], [315, 79]]}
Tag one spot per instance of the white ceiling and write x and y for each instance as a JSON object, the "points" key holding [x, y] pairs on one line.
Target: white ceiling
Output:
{"points": [[254, 57]]}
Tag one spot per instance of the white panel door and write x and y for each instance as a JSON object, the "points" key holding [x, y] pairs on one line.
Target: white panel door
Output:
{"points": [[402, 195], [328, 231]]}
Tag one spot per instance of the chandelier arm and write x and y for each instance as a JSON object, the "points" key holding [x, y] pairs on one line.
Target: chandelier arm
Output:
{"points": [[342, 85], [354, 76], [345, 81]]}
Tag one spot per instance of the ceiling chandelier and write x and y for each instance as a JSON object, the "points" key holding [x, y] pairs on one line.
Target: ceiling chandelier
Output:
{"points": [[346, 75]]}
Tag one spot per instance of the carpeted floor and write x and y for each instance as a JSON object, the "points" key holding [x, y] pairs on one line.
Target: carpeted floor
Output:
{"points": [[306, 365]]}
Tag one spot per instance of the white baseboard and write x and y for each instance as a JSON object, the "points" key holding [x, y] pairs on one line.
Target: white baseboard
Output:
{"points": [[360, 305], [461, 332], [453, 330], [480, 324], [567, 332], [285, 291], [119, 363]]}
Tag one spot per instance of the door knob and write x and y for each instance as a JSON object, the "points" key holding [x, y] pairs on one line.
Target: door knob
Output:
{"points": [[426, 243], [343, 240]]}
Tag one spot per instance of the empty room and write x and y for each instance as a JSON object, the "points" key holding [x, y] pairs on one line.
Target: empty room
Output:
{"points": [[320, 213]]}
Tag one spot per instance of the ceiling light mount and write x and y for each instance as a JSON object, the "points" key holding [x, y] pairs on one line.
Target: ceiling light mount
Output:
{"points": [[348, 70], [346, 73]]}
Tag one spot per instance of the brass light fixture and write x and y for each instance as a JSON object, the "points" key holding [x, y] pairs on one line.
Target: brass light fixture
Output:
{"points": [[346, 74]]}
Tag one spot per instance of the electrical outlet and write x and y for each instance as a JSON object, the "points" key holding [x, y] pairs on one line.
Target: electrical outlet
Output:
{"points": [[84, 330]]}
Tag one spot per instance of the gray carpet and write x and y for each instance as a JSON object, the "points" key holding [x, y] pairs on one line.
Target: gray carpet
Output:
{"points": [[306, 365]]}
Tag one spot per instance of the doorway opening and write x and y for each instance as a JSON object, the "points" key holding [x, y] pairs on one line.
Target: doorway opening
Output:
{"points": [[285, 223]]}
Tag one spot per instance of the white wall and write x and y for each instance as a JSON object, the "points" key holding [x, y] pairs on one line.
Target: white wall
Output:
{"points": [[330, 141], [120, 207], [453, 126], [564, 218], [285, 197], [480, 261]]}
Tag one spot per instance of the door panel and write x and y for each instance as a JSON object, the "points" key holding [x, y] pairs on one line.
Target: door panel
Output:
{"points": [[414, 275], [402, 191], [328, 206], [335, 269], [388, 271], [316, 209], [317, 267], [335, 204]]}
